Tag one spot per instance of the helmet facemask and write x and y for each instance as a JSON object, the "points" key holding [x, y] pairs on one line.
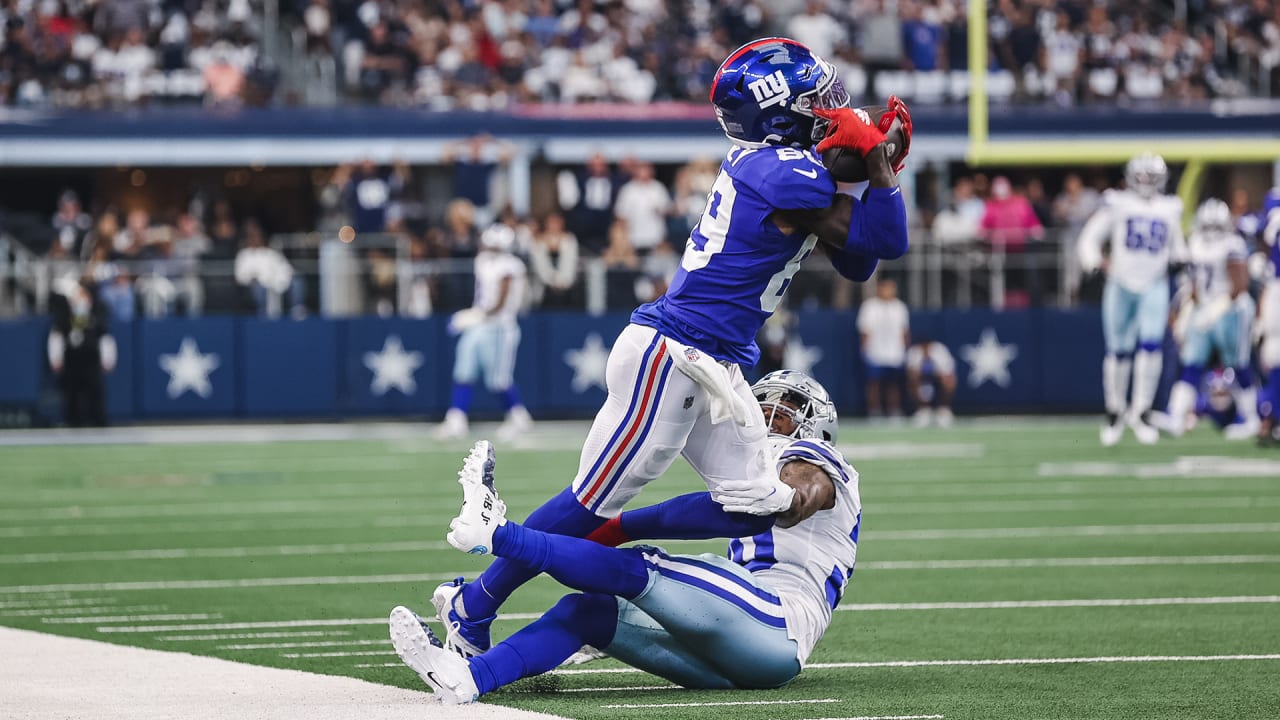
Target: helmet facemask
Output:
{"points": [[829, 95]]}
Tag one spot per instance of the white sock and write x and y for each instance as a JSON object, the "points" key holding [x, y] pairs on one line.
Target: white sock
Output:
{"points": [[1246, 403], [1115, 382], [1182, 400], [1146, 376]]}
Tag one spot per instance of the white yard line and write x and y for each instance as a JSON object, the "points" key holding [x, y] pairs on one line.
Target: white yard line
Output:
{"points": [[1081, 603], [157, 617], [856, 452], [1069, 562], [253, 636], [1074, 531], [1047, 661], [1198, 467], [354, 653], [727, 703], [228, 552], [59, 602], [80, 609], [307, 644]]}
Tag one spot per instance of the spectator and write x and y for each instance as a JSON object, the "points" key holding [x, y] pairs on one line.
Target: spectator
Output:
{"points": [[692, 187], [957, 223], [554, 261], [372, 196], [80, 351], [190, 245], [71, 226], [474, 162], [622, 268], [922, 37], [588, 197], [1008, 225], [642, 205], [881, 43], [931, 380], [267, 275], [884, 329], [818, 30]]}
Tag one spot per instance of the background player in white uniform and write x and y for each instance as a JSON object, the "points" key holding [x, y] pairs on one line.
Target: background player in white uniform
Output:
{"points": [[1218, 315], [489, 335], [884, 327], [931, 380], [705, 621], [674, 378], [1144, 229]]}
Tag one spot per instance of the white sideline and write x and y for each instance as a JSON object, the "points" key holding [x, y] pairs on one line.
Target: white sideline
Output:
{"points": [[48, 676]]}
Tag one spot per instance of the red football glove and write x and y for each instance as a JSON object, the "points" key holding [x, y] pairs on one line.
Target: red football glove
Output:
{"points": [[850, 128], [898, 109]]}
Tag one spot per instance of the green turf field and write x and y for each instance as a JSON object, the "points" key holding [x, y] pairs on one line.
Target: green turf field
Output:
{"points": [[1008, 569]]}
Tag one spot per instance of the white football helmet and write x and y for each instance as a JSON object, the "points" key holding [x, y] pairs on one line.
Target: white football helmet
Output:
{"points": [[1146, 174], [499, 237], [807, 403], [1213, 215]]}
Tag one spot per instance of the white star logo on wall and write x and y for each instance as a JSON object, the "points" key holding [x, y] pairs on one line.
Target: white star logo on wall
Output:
{"points": [[393, 367], [588, 364], [798, 356], [989, 359], [189, 369]]}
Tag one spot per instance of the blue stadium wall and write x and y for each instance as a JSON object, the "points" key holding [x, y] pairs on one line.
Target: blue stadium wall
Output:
{"points": [[1013, 361]]}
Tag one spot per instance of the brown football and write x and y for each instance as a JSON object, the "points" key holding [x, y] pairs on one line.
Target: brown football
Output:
{"points": [[846, 165]]}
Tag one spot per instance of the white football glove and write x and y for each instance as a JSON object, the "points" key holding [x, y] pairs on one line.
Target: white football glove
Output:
{"points": [[744, 496], [464, 320]]}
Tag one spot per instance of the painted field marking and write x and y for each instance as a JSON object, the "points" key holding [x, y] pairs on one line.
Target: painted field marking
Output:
{"points": [[1047, 661], [58, 602], [196, 509], [1055, 505], [80, 609], [1069, 562], [162, 617], [209, 526], [911, 451], [310, 644], [1072, 488], [378, 665], [229, 552], [987, 605], [253, 636], [1081, 603], [727, 703], [337, 654], [622, 688], [886, 717], [1075, 531], [1195, 466]]}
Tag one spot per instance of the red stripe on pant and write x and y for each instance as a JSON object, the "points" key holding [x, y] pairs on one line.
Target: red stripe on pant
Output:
{"points": [[636, 424]]}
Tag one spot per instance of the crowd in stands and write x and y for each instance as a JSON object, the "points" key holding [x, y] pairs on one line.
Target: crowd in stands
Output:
{"points": [[491, 54]]}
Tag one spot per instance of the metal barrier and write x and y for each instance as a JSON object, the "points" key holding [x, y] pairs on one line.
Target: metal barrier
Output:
{"points": [[380, 274]]}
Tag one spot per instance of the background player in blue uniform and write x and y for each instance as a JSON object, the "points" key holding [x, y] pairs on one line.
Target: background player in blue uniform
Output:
{"points": [[1269, 319], [673, 376]]}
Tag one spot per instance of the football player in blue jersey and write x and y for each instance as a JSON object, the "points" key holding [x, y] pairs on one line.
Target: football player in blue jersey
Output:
{"points": [[1269, 319], [673, 377], [688, 618]]}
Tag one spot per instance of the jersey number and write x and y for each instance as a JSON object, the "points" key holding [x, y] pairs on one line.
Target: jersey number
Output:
{"points": [[1145, 234]]}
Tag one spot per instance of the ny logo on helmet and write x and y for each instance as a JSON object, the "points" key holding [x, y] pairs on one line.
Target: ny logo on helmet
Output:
{"points": [[770, 90]]}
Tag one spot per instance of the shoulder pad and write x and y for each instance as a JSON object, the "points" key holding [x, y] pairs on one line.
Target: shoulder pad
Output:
{"points": [[786, 178], [820, 453]]}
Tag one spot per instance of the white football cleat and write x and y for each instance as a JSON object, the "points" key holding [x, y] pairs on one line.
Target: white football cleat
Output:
{"points": [[447, 674], [454, 426], [482, 510], [1146, 434], [944, 418], [923, 417], [517, 423], [462, 636], [1242, 430], [585, 655], [1111, 433]]}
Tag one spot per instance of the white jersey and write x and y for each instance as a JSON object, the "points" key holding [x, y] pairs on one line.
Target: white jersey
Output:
{"points": [[808, 565], [491, 268], [885, 323], [938, 362], [1210, 253], [1145, 235]]}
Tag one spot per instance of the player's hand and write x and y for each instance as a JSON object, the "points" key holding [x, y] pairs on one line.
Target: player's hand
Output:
{"points": [[743, 496], [899, 109], [464, 320], [849, 128]]}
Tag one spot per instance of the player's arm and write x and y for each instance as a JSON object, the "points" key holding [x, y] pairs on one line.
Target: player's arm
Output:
{"points": [[1089, 245], [815, 490], [1238, 276], [504, 287]]}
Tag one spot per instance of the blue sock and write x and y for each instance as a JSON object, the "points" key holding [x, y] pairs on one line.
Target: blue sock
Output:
{"points": [[542, 645], [691, 517], [1271, 394], [573, 562], [1244, 377], [461, 397], [511, 398], [563, 515], [1192, 375]]}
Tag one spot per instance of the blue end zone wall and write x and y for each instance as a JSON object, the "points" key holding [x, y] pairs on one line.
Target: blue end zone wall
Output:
{"points": [[223, 367]]}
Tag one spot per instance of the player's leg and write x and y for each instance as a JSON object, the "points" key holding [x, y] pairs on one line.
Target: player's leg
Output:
{"points": [[875, 406], [1153, 318], [500, 379], [1233, 334], [1119, 311], [893, 391], [946, 389], [634, 438], [1182, 396], [466, 370], [729, 452]]}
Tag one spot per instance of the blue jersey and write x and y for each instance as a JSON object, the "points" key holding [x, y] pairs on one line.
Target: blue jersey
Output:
{"points": [[737, 263], [1271, 222]]}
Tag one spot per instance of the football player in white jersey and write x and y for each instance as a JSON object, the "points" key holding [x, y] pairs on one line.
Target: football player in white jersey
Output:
{"points": [[1217, 315], [1144, 229], [692, 619], [489, 335]]}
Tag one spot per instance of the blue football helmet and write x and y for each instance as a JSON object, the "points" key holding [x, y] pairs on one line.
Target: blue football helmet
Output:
{"points": [[765, 91]]}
